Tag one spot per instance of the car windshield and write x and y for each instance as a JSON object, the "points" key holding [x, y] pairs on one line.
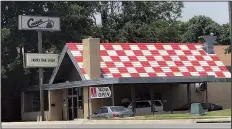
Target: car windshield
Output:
{"points": [[118, 109]]}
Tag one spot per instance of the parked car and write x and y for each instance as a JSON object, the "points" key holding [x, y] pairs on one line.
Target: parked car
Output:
{"points": [[125, 104], [111, 112], [211, 107], [144, 107]]}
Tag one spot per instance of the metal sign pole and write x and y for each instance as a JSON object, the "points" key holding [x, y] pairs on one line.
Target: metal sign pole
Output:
{"points": [[41, 78]]}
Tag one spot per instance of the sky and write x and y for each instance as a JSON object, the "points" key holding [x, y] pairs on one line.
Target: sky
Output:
{"points": [[218, 11]]}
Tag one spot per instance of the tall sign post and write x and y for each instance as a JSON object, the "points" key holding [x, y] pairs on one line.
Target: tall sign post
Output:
{"points": [[40, 23], [41, 77]]}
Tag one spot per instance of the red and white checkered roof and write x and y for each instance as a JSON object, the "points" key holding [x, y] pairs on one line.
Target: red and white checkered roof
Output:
{"points": [[120, 60]]}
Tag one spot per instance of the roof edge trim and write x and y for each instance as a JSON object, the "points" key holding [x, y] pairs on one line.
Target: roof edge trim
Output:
{"points": [[51, 80], [105, 81]]}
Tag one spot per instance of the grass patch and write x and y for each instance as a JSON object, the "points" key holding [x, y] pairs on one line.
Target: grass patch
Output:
{"points": [[226, 112], [208, 115]]}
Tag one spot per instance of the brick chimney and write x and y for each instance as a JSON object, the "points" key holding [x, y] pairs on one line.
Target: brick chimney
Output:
{"points": [[91, 57], [91, 64]]}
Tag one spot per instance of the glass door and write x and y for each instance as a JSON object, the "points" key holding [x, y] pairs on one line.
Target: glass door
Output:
{"points": [[70, 108], [75, 103], [75, 107]]}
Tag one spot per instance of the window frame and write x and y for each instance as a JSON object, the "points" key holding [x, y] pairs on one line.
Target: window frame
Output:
{"points": [[102, 109], [143, 104]]}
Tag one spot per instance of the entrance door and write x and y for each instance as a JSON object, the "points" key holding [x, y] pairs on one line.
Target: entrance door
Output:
{"points": [[75, 107], [74, 103], [70, 108]]}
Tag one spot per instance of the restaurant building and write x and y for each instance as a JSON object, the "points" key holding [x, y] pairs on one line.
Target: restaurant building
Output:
{"points": [[175, 73]]}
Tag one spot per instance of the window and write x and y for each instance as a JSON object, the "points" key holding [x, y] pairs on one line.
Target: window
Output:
{"points": [[75, 90], [142, 104], [32, 101], [157, 103], [70, 91], [99, 111], [104, 110], [74, 93], [80, 98], [125, 104], [45, 100], [117, 109], [35, 101], [80, 91]]}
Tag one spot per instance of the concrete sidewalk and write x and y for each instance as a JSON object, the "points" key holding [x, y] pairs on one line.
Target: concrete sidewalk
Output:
{"points": [[84, 121], [188, 121]]}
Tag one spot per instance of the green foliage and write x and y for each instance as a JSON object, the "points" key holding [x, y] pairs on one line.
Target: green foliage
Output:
{"points": [[158, 31], [225, 34], [228, 50], [132, 19], [76, 23], [199, 26], [148, 11]]}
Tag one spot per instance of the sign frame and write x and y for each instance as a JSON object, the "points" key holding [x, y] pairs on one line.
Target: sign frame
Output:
{"points": [[21, 24], [36, 65], [97, 90]]}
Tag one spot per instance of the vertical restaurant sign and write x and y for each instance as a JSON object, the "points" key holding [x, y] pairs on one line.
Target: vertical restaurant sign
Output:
{"points": [[100, 92], [38, 23]]}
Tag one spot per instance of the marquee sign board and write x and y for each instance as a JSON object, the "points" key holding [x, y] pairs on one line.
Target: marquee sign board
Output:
{"points": [[39, 23], [36, 60], [100, 92]]}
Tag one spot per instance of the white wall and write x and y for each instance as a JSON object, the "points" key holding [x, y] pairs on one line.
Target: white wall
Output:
{"points": [[32, 116]]}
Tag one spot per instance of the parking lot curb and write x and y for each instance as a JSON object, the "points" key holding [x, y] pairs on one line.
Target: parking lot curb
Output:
{"points": [[138, 121], [218, 120]]}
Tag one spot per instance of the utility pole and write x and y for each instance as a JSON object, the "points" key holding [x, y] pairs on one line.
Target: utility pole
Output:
{"points": [[41, 78]]}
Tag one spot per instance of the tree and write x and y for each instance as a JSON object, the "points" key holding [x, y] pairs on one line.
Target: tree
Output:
{"points": [[157, 31], [149, 21], [228, 50], [225, 34], [149, 11], [117, 16], [199, 26], [76, 23]]}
